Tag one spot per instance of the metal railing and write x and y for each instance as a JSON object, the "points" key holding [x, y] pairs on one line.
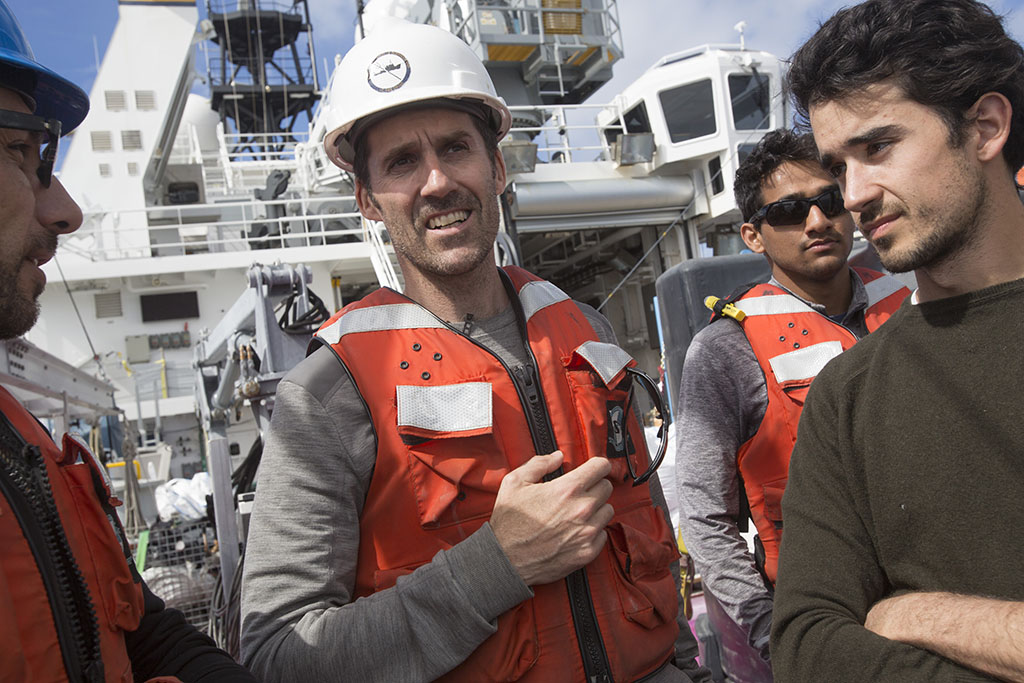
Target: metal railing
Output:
{"points": [[541, 19], [213, 228], [568, 132]]}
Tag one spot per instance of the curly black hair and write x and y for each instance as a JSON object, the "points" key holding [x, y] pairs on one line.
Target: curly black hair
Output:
{"points": [[944, 54], [775, 148]]}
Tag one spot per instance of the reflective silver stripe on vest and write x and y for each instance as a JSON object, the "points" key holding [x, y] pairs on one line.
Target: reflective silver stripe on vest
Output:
{"points": [[445, 408], [377, 318], [804, 363], [606, 359], [539, 294], [879, 288], [774, 304]]}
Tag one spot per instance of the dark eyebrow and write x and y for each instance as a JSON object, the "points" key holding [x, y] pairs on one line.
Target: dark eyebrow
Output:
{"points": [[454, 136], [814, 193], [412, 145], [872, 135], [393, 154]]}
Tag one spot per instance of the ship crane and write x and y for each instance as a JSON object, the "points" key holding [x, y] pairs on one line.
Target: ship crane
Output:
{"points": [[242, 359]]}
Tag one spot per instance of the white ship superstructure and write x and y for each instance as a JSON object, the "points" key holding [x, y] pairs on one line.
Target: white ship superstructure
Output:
{"points": [[182, 192]]}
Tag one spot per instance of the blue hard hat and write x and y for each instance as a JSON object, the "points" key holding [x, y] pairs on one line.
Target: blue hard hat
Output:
{"points": [[55, 97]]}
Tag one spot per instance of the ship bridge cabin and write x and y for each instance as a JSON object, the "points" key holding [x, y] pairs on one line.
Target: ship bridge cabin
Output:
{"points": [[705, 109]]}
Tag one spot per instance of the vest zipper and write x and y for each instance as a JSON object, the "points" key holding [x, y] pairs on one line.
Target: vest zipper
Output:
{"points": [[25, 484], [527, 384], [588, 635]]}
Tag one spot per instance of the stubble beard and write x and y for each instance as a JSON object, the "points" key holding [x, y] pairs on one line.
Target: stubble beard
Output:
{"points": [[433, 264], [18, 312], [955, 231]]}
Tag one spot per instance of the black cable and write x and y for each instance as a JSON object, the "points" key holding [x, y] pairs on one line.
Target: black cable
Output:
{"points": [[306, 323], [81, 322], [245, 474], [225, 617]]}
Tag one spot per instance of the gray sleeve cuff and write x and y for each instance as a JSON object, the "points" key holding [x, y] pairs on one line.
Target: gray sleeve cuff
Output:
{"points": [[482, 570], [760, 630]]}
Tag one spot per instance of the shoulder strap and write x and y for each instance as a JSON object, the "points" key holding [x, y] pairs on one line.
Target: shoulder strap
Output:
{"points": [[725, 307]]}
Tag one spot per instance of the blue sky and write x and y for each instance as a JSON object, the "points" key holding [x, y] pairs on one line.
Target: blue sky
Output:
{"points": [[63, 32]]}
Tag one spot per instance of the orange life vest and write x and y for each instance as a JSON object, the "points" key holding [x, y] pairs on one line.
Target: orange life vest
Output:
{"points": [[451, 422], [792, 343], [35, 648]]}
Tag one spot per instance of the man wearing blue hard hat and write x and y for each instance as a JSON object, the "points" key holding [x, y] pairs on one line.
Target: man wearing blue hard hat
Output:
{"points": [[72, 605]]}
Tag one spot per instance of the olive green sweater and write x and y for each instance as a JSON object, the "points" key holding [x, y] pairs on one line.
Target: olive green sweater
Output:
{"points": [[908, 475]]}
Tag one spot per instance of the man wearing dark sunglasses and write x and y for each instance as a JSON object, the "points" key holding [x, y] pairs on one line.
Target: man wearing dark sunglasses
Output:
{"points": [[72, 605], [744, 378]]}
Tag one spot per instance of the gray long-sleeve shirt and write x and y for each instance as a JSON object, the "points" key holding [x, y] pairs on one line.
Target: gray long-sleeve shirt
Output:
{"points": [[722, 400], [299, 620]]}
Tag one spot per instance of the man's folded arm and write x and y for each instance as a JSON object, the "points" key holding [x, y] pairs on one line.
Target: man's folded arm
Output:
{"points": [[829, 573], [981, 633]]}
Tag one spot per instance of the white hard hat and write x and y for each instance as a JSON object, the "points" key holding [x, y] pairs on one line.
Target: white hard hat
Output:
{"points": [[401, 64]]}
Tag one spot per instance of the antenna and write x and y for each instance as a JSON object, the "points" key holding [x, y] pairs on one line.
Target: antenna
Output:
{"points": [[359, 17], [741, 26]]}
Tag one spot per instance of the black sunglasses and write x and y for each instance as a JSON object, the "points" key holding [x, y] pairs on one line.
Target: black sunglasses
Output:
{"points": [[794, 211], [36, 124], [655, 395]]}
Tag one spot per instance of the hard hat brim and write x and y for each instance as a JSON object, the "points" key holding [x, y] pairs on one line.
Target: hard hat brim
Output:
{"points": [[55, 97], [340, 143]]}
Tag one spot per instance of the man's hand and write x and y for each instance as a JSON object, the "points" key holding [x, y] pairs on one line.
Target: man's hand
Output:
{"points": [[550, 529], [979, 633]]}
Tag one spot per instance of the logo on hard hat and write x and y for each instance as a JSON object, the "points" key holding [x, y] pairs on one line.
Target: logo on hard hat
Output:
{"points": [[388, 71]]}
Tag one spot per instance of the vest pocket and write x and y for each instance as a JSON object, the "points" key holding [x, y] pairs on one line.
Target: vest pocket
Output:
{"points": [[599, 388], [643, 550], [773, 501], [455, 461], [796, 390], [120, 595], [508, 654]]}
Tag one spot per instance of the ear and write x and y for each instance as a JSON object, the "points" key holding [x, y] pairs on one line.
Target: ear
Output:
{"points": [[367, 206], [991, 115], [752, 238], [500, 173]]}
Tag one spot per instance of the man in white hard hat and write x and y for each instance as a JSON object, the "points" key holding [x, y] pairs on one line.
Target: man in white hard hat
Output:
{"points": [[450, 483], [72, 604]]}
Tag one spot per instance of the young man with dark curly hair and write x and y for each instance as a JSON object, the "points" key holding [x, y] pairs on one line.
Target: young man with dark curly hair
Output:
{"points": [[743, 381], [901, 560]]}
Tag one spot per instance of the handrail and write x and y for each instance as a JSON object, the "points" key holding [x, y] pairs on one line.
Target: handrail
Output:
{"points": [[382, 266], [129, 233]]}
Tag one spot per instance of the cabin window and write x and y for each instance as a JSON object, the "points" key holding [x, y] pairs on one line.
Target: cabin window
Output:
{"points": [[170, 306], [133, 168], [131, 139], [102, 141], [715, 171], [689, 110], [145, 100], [636, 122], [116, 100], [105, 171], [751, 101]]}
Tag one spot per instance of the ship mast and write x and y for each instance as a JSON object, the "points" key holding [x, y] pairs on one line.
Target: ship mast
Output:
{"points": [[264, 81]]}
